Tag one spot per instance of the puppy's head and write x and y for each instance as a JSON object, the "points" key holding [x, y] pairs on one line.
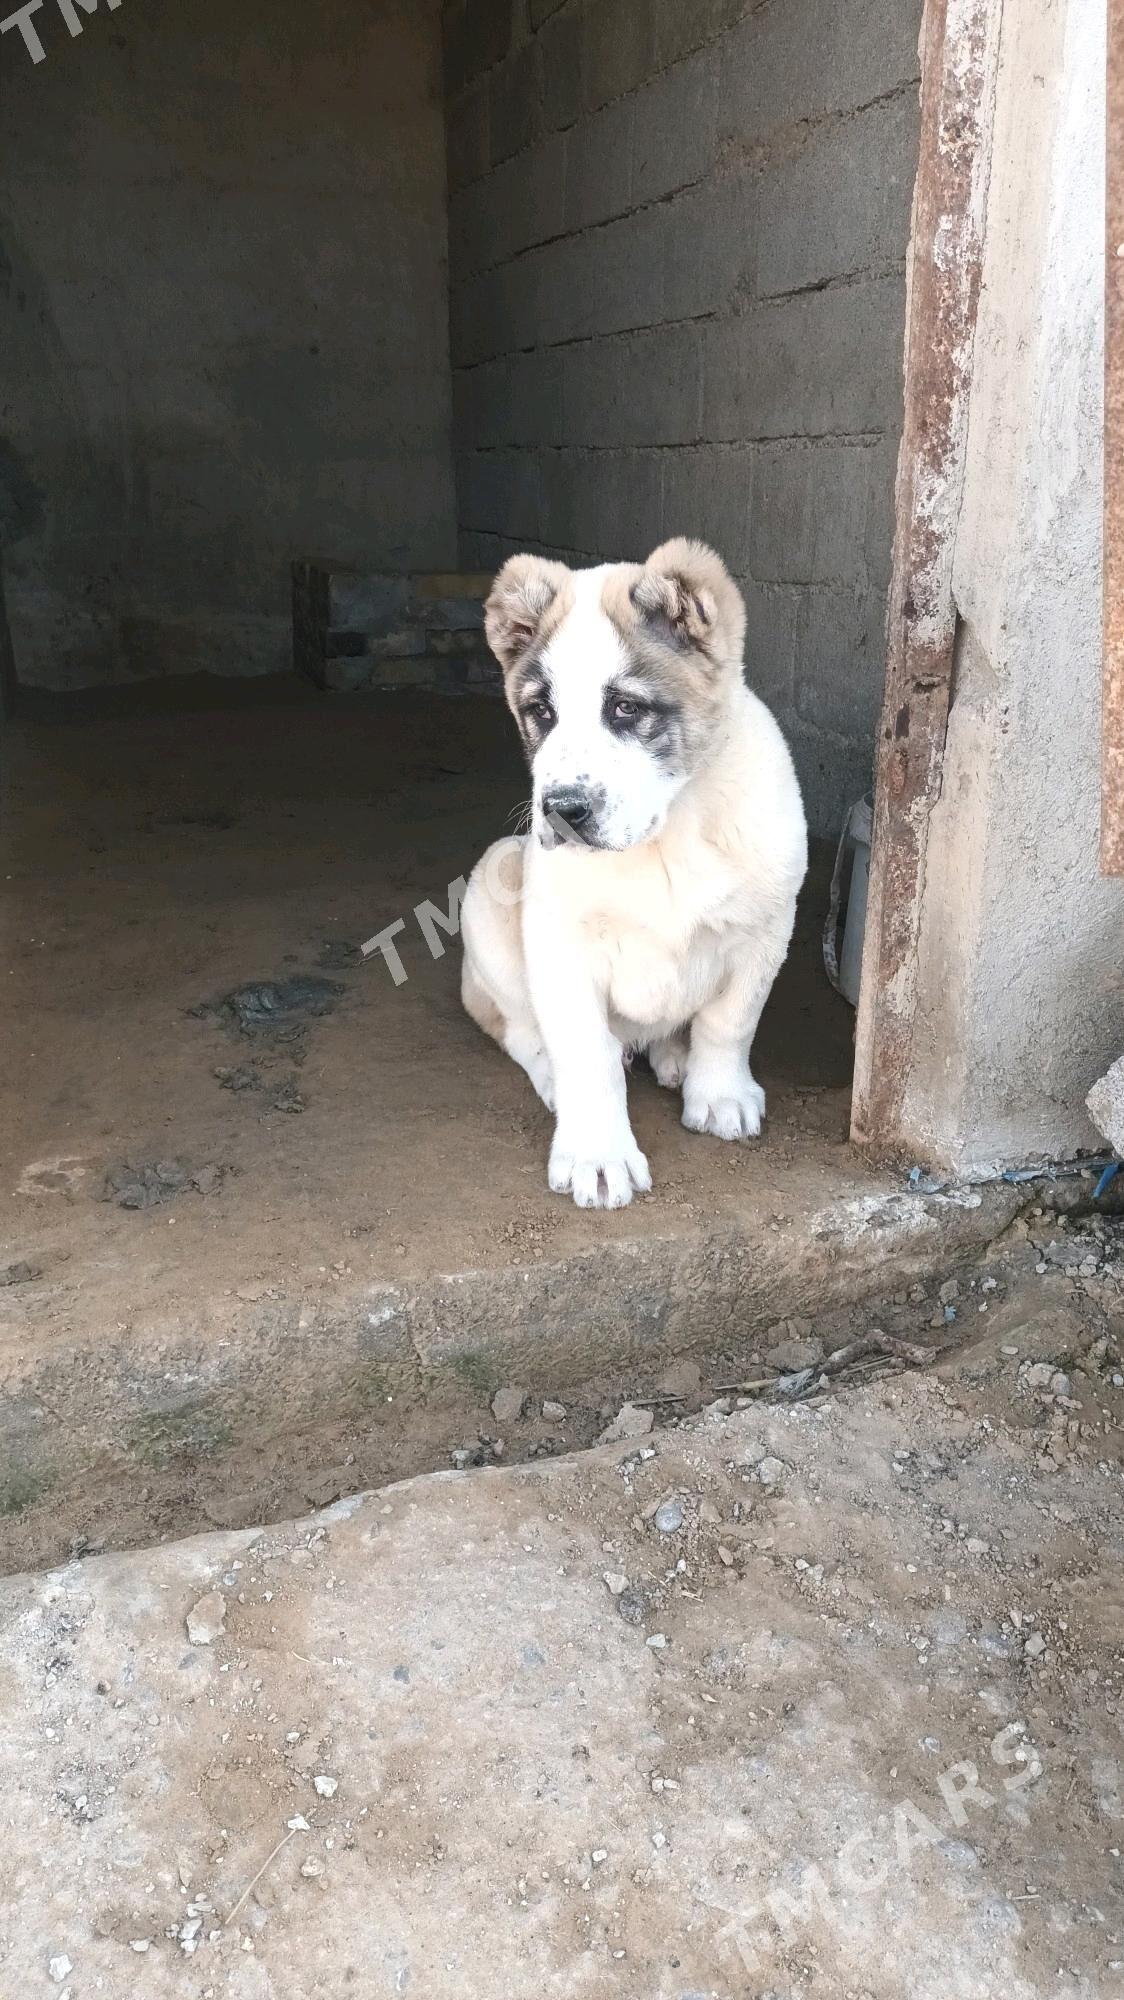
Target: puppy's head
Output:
{"points": [[618, 678]]}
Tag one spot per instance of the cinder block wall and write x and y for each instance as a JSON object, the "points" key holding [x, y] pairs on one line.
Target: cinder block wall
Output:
{"points": [[677, 242], [223, 324]]}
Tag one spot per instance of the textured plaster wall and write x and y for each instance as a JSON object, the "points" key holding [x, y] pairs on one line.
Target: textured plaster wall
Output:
{"points": [[223, 324], [1022, 945]]}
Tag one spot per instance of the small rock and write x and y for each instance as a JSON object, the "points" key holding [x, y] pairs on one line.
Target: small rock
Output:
{"points": [[632, 1606], [949, 1291], [326, 1788], [1035, 1646], [599, 1855], [206, 1621], [615, 1583], [1060, 1383], [508, 1405], [657, 1641], [630, 1422], [771, 1471], [140, 1944], [60, 1968], [669, 1517], [554, 1413], [21, 1274], [683, 1379], [1037, 1374], [311, 1868], [206, 1179], [975, 1547], [788, 1357]]}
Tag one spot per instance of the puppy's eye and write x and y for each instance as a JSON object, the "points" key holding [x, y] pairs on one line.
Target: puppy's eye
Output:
{"points": [[538, 711], [625, 710]]}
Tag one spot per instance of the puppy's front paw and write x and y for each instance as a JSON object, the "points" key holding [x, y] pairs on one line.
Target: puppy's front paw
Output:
{"points": [[598, 1176], [734, 1111]]}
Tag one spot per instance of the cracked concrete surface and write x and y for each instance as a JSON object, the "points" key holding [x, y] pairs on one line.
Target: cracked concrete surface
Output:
{"points": [[850, 1726]]}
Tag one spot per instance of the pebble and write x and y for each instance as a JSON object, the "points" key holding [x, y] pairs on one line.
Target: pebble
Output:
{"points": [[508, 1405], [630, 1422], [669, 1517], [554, 1413], [311, 1868], [770, 1471], [59, 1968], [1037, 1374], [1035, 1646], [326, 1787], [657, 1641], [789, 1356], [615, 1583], [206, 1621]]}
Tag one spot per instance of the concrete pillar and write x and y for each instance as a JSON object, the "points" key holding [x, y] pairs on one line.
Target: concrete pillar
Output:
{"points": [[1020, 960]]}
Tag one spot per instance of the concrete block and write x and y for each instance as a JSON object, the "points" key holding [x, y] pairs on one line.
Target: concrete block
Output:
{"points": [[515, 400], [674, 128], [640, 389], [514, 94], [801, 61], [619, 49], [534, 193], [772, 613], [481, 397], [710, 246], [476, 37], [621, 513], [564, 516], [810, 514], [472, 229], [882, 471], [1106, 1106], [843, 204], [683, 25], [840, 660], [708, 493], [618, 281], [821, 365], [467, 153], [534, 410], [501, 492], [561, 54], [834, 771], [599, 166]]}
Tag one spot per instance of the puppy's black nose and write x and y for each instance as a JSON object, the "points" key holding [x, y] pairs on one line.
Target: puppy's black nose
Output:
{"points": [[569, 803]]}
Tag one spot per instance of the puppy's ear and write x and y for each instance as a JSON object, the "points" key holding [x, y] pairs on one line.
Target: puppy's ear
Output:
{"points": [[527, 592], [685, 587]]}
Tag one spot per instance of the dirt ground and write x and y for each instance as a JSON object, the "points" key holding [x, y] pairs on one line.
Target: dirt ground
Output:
{"points": [[159, 857], [816, 1689]]}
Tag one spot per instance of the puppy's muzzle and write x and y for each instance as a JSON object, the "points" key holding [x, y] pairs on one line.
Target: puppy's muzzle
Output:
{"points": [[570, 812]]}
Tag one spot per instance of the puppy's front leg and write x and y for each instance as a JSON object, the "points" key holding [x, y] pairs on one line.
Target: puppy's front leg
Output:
{"points": [[721, 1095], [594, 1155]]}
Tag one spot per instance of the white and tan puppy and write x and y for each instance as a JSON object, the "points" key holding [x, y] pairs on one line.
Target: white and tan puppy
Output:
{"points": [[651, 904]]}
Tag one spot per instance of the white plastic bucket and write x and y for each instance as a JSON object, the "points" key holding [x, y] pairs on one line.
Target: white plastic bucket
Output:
{"points": [[848, 886]]}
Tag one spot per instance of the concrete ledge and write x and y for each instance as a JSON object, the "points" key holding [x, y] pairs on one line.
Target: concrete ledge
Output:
{"points": [[146, 1411]]}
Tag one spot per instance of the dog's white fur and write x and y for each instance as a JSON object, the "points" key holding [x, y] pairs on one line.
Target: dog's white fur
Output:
{"points": [[668, 934]]}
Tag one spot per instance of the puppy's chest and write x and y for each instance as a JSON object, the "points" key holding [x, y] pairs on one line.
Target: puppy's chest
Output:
{"points": [[661, 956]]}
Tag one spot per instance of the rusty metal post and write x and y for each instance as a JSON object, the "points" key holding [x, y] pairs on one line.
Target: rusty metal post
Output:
{"points": [[959, 48], [1112, 726]]}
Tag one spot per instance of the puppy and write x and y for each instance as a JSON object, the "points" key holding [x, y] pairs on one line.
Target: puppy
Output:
{"points": [[651, 903]]}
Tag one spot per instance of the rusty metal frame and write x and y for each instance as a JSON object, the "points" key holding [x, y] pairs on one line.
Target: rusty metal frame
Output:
{"points": [[959, 51], [1112, 724]]}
